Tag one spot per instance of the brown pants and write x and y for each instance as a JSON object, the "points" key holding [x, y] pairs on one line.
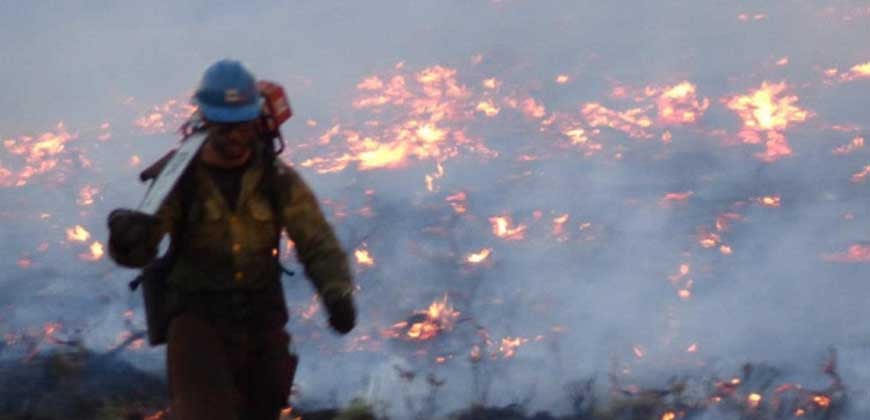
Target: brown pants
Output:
{"points": [[220, 371]]}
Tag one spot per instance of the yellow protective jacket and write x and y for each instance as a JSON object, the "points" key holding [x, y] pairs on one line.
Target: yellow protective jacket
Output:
{"points": [[234, 250]]}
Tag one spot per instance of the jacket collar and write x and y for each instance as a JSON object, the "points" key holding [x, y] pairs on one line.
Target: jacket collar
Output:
{"points": [[250, 179]]}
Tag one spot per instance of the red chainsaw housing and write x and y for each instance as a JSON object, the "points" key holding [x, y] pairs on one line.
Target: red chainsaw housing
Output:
{"points": [[276, 107]]}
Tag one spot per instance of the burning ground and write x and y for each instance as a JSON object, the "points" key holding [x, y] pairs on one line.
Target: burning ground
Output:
{"points": [[646, 213]]}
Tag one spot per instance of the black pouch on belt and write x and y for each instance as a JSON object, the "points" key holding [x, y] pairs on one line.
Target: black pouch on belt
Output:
{"points": [[157, 298]]}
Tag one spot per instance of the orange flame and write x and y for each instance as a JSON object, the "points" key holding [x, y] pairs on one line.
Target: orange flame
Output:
{"points": [[475, 354], [861, 175], [165, 117], [684, 270], [684, 294], [312, 308], [632, 122], [858, 71], [508, 347], [577, 135], [683, 281], [822, 401], [488, 108], [50, 328], [380, 155], [137, 344], [745, 17], [679, 104], [767, 110], [95, 252], [363, 257], [861, 70], [675, 197], [532, 109], [370, 83], [770, 201], [432, 101], [855, 253], [439, 317], [105, 133], [432, 177], [855, 144], [41, 155], [86, 195], [559, 227], [501, 227], [458, 202], [708, 239], [639, 351], [754, 399], [479, 257], [160, 415], [724, 219], [77, 234]]}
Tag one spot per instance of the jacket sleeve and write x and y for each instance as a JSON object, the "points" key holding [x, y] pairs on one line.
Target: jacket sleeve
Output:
{"points": [[317, 248], [143, 253]]}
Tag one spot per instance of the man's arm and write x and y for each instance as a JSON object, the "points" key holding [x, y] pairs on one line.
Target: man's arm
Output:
{"points": [[317, 247], [326, 264], [135, 236]]}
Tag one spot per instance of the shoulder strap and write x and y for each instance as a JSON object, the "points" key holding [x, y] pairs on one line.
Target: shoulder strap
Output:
{"points": [[187, 192], [270, 172], [270, 177]]}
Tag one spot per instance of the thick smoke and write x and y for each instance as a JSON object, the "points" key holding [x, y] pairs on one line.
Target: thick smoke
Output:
{"points": [[601, 302]]}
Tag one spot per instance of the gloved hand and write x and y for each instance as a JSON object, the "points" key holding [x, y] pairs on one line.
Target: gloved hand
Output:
{"points": [[130, 231], [342, 313], [130, 226]]}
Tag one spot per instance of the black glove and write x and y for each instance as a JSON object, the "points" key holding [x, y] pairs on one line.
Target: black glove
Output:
{"points": [[129, 229], [342, 313]]}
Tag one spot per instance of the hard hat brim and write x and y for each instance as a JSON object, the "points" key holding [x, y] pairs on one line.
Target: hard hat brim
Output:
{"points": [[230, 114]]}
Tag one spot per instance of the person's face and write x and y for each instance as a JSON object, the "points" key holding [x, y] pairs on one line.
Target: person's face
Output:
{"points": [[233, 140]]}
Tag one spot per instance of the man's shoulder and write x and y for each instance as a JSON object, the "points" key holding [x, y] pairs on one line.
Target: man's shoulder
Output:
{"points": [[285, 172], [290, 181]]}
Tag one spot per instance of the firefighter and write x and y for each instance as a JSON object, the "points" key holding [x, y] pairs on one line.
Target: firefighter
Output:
{"points": [[228, 354]]}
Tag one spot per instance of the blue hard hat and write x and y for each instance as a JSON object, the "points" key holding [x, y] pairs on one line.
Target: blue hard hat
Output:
{"points": [[228, 93]]}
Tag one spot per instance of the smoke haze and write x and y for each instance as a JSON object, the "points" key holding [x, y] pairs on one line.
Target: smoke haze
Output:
{"points": [[609, 274]]}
